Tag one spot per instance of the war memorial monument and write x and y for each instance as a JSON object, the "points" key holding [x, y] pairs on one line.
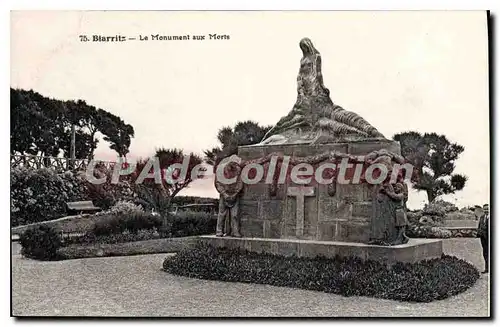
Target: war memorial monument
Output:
{"points": [[307, 219]]}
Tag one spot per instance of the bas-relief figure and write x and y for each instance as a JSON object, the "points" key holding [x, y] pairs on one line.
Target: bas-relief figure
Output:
{"points": [[389, 220], [227, 220]]}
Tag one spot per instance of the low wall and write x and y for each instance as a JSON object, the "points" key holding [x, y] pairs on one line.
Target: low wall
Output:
{"points": [[68, 224], [414, 251]]}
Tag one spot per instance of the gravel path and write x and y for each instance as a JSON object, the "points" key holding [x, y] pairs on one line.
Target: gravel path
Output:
{"points": [[136, 286]]}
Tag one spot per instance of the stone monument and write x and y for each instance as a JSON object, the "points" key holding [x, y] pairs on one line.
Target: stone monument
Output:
{"points": [[276, 214]]}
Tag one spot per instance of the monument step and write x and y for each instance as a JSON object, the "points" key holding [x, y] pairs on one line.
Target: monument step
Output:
{"points": [[413, 251]]}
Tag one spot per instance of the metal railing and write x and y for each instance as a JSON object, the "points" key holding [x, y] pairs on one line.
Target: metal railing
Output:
{"points": [[57, 163]]}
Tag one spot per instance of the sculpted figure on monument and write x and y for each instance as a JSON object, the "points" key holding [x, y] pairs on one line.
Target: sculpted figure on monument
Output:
{"points": [[315, 119], [389, 220], [227, 220], [400, 196]]}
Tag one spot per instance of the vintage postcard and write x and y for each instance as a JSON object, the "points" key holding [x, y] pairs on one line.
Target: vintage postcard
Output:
{"points": [[250, 163]]}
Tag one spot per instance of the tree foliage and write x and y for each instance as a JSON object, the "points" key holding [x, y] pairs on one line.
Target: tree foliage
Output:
{"points": [[42, 126], [433, 157], [230, 138], [158, 196]]}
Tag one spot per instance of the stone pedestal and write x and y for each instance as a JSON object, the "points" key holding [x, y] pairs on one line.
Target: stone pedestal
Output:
{"points": [[316, 218], [339, 212], [413, 251]]}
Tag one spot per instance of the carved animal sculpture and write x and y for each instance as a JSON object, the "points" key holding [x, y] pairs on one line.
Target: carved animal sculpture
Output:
{"points": [[314, 117]]}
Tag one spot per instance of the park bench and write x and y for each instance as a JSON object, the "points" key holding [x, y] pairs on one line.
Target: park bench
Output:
{"points": [[80, 207]]}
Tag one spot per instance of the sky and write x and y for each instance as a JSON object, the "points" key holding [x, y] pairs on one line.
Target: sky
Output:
{"points": [[420, 71]]}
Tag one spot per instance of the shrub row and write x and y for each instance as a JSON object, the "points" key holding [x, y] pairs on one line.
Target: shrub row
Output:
{"points": [[133, 223], [190, 223], [141, 226], [425, 281]]}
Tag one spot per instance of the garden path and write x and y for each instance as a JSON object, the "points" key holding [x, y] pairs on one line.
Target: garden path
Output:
{"points": [[136, 286]]}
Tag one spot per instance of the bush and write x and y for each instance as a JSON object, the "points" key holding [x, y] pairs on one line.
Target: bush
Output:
{"points": [[439, 208], [122, 208], [425, 281], [41, 243], [184, 200], [427, 231], [133, 222], [41, 194], [191, 223]]}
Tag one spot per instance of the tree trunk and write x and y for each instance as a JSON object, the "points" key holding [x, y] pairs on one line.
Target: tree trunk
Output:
{"points": [[93, 147], [72, 148], [431, 196]]}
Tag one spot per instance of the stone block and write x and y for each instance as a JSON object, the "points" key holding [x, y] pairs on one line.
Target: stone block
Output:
{"points": [[337, 147], [336, 211], [272, 228], [327, 206], [251, 152], [312, 250], [354, 192], [287, 249], [270, 209], [248, 210], [259, 191], [278, 149], [360, 220], [362, 209], [363, 148], [251, 228], [354, 232], [262, 247], [326, 231], [303, 151]]}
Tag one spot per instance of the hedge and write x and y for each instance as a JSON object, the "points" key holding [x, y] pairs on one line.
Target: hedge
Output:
{"points": [[41, 194], [425, 281]]}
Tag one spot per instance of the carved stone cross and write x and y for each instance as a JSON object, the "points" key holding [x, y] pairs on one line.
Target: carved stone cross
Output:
{"points": [[300, 192]]}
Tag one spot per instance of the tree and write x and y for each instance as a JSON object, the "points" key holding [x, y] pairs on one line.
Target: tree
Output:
{"points": [[159, 196], [169, 188], [433, 157], [43, 126], [243, 133]]}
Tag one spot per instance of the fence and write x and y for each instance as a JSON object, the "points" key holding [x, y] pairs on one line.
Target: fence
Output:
{"points": [[57, 163]]}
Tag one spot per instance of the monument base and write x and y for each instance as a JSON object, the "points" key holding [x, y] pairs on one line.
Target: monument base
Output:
{"points": [[414, 251]]}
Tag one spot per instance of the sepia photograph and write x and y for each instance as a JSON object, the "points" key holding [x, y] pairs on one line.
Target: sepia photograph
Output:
{"points": [[244, 164]]}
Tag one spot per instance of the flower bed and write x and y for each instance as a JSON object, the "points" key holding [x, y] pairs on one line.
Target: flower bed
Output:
{"points": [[123, 230], [425, 281]]}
